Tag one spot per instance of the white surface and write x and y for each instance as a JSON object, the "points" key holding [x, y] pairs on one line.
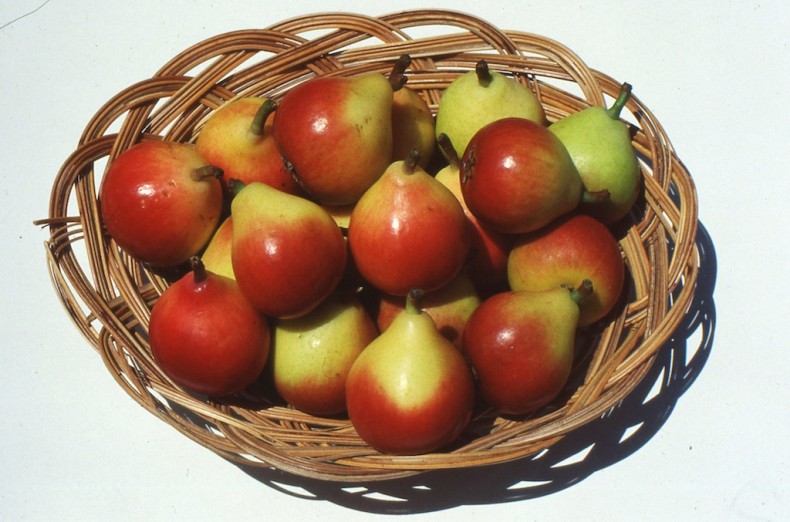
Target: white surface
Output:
{"points": [[75, 447]]}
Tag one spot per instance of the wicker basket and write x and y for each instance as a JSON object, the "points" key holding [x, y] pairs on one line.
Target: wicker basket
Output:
{"points": [[109, 295]]}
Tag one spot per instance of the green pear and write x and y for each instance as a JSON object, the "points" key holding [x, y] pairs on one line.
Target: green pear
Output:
{"points": [[479, 97], [600, 145], [312, 355], [288, 254], [410, 391]]}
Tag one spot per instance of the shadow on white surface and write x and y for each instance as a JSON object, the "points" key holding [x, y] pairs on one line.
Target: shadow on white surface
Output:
{"points": [[611, 438]]}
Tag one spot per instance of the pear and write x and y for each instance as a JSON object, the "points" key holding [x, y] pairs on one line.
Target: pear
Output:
{"points": [[206, 336], [479, 97], [335, 133], [216, 256], [312, 355], [288, 254], [408, 231], [488, 251], [238, 139], [600, 145], [450, 307], [520, 345], [412, 121], [410, 391]]}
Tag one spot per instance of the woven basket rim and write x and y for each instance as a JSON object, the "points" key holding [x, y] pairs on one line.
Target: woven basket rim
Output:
{"points": [[108, 295]]}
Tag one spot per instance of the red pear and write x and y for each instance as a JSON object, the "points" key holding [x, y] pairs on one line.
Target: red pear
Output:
{"points": [[516, 176], [520, 345], [206, 336], [336, 134], [573, 248], [238, 139], [161, 202], [489, 249], [408, 231], [288, 253]]}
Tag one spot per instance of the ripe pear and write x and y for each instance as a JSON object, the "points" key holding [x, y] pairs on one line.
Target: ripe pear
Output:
{"points": [[479, 97], [520, 345], [488, 251], [312, 355], [288, 253], [450, 307], [412, 121], [336, 134], [238, 139], [206, 336], [573, 247], [408, 231], [517, 177], [411, 390], [216, 256], [161, 201], [600, 145]]}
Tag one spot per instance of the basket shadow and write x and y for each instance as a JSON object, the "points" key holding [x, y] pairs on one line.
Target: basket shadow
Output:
{"points": [[593, 447]]}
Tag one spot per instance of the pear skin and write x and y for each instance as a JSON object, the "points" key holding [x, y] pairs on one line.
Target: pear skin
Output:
{"points": [[600, 145], [479, 97], [520, 345], [410, 391], [311, 355], [288, 253], [336, 134], [408, 231], [216, 257]]}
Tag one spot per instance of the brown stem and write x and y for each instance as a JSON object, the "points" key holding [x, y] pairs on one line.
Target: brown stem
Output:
{"points": [[397, 77], [483, 72], [582, 292], [413, 301], [198, 269], [448, 150], [411, 161]]}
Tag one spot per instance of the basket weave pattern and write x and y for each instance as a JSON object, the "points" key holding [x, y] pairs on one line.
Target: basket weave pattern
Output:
{"points": [[109, 295]]}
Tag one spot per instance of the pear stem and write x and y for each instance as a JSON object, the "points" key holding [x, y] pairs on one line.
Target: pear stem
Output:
{"points": [[259, 121], [397, 78], [483, 73], [413, 301], [448, 150], [207, 171], [198, 269], [619, 103], [582, 292], [411, 161]]}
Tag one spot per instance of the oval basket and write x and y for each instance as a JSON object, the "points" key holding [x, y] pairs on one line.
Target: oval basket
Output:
{"points": [[109, 295]]}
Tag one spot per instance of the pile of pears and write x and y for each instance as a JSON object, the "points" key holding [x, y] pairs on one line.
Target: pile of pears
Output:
{"points": [[373, 258]]}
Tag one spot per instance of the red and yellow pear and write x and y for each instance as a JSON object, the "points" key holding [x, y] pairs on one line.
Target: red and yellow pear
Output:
{"points": [[288, 253], [312, 355], [408, 231], [238, 138], [206, 336], [410, 391], [335, 133], [161, 202], [572, 248], [521, 344]]}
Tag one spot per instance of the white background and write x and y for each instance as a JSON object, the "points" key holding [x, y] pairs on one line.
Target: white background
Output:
{"points": [[73, 446]]}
